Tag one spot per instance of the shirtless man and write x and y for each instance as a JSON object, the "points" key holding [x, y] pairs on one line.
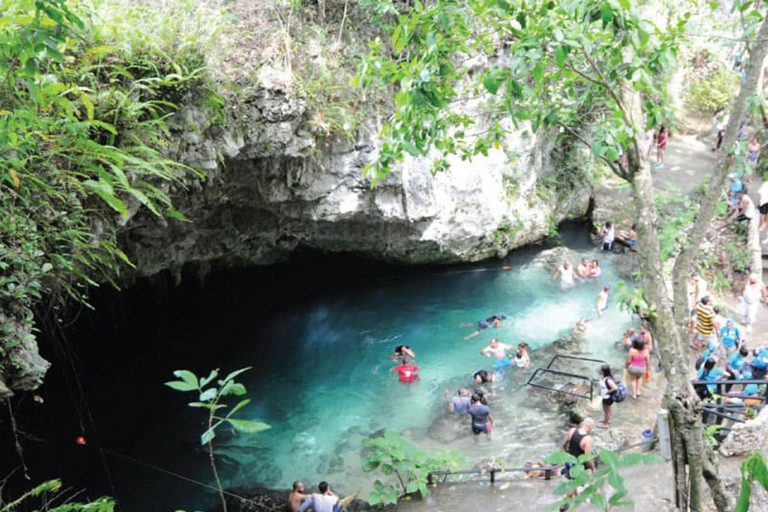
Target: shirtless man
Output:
{"points": [[602, 300], [497, 350], [565, 271], [296, 497], [583, 269]]}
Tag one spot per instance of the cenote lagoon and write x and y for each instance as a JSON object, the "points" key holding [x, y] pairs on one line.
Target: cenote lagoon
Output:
{"points": [[317, 333]]}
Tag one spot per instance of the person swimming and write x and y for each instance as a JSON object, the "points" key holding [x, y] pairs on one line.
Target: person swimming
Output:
{"points": [[483, 377], [492, 321], [403, 355], [461, 402], [602, 300], [406, 372]]}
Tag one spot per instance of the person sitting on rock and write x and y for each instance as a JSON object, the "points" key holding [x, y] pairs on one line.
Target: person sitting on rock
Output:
{"points": [[628, 237], [325, 501], [296, 497], [535, 471]]}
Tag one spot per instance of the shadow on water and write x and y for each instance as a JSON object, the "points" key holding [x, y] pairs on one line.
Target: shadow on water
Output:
{"points": [[316, 329]]}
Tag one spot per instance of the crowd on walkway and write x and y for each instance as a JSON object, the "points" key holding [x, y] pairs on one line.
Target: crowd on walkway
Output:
{"points": [[719, 345]]}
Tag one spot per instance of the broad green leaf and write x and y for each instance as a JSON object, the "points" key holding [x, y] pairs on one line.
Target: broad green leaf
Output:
{"points": [[187, 376], [204, 382], [248, 426], [560, 57], [208, 395], [491, 84], [207, 436], [235, 374], [179, 385]]}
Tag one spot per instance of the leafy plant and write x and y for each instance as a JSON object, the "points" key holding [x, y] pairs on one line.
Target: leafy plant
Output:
{"points": [[211, 397], [711, 433], [632, 299], [51, 487], [604, 488], [753, 470], [712, 93], [739, 257], [392, 455]]}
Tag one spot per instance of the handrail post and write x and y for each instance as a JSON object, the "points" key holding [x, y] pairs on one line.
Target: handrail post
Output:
{"points": [[547, 474], [493, 475], [664, 435], [429, 478]]}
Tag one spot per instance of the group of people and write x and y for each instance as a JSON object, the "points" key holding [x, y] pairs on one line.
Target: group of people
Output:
{"points": [[586, 270]]}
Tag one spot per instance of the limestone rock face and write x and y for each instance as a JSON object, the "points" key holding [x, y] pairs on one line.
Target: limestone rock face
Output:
{"points": [[746, 437], [271, 188]]}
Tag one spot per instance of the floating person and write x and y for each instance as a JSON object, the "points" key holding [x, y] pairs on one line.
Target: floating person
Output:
{"points": [[461, 402], [406, 372], [602, 300], [498, 351], [296, 497], [594, 270], [482, 420], [403, 355], [565, 271], [583, 269], [492, 321], [483, 377], [325, 501], [581, 328]]}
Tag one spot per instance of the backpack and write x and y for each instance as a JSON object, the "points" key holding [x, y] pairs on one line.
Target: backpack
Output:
{"points": [[621, 391]]}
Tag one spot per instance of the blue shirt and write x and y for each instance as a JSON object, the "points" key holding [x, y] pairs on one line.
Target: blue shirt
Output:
{"points": [[730, 336], [761, 359], [737, 361], [736, 187], [714, 374]]}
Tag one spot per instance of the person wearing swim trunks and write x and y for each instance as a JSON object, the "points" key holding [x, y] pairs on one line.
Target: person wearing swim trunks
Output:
{"points": [[296, 497], [628, 237], [482, 420], [602, 300], [577, 442], [492, 321], [461, 402], [498, 351]]}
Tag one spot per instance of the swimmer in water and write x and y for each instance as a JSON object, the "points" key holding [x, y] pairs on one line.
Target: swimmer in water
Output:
{"points": [[403, 355], [581, 328], [406, 372], [565, 271], [523, 347], [583, 269], [602, 300], [521, 361], [460, 403], [296, 497], [492, 321], [594, 270], [483, 377], [498, 351]]}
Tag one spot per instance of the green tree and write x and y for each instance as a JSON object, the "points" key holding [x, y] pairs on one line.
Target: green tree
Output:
{"points": [[51, 487], [589, 70], [211, 394]]}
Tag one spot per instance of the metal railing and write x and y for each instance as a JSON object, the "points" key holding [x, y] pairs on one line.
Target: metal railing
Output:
{"points": [[549, 371], [727, 410]]}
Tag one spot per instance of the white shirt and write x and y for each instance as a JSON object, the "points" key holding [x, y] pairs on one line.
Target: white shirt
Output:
{"points": [[604, 391], [749, 207], [763, 192], [566, 274], [609, 235]]}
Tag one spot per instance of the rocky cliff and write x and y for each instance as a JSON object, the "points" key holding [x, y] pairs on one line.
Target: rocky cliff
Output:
{"points": [[271, 188]]}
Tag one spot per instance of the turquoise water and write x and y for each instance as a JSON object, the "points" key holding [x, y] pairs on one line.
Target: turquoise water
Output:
{"points": [[320, 376], [325, 384]]}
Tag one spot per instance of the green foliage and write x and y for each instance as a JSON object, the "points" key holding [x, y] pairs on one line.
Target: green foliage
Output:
{"points": [[632, 299], [603, 488], [210, 397], [82, 135], [739, 257], [568, 64], [52, 487], [752, 470], [712, 93], [711, 433], [381, 11], [406, 467], [672, 231]]}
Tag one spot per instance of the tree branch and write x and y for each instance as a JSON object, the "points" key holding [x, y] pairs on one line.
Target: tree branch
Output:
{"points": [[619, 170]]}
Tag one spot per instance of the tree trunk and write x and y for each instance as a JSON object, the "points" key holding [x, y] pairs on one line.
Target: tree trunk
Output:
{"points": [[684, 262]]}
